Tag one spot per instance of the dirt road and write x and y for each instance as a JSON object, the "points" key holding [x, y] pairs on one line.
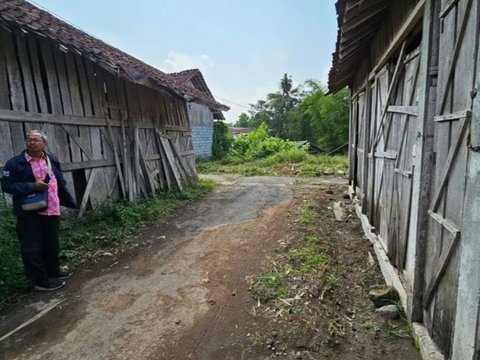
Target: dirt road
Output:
{"points": [[180, 294]]}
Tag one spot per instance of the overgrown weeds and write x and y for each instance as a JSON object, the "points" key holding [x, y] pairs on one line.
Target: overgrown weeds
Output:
{"points": [[281, 164], [259, 154], [302, 262], [104, 227]]}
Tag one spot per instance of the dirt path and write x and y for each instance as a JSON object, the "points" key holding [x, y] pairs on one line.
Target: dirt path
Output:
{"points": [[181, 294]]}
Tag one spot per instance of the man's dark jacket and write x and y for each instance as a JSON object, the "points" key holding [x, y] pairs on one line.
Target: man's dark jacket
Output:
{"points": [[18, 180]]}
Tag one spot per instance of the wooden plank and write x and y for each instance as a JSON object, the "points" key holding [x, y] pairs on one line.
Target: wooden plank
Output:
{"points": [[466, 329], [414, 17], [422, 163], [63, 82], [76, 107], [407, 174], [28, 80], [440, 269], [389, 154], [86, 195], [445, 223], [449, 162], [77, 140], [4, 91], [53, 88], [184, 171], [17, 98], [90, 164], [149, 186], [453, 116], [456, 51], [37, 75], [390, 93], [15, 80], [74, 85], [85, 93], [114, 106], [94, 89], [171, 160], [408, 110], [6, 146], [22, 116], [111, 137], [449, 6]]}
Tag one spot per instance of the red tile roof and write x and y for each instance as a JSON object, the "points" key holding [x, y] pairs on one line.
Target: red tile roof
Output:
{"points": [[193, 79], [23, 15]]}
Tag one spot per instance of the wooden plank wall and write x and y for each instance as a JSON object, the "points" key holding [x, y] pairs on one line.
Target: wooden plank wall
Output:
{"points": [[454, 96], [106, 131], [383, 179]]}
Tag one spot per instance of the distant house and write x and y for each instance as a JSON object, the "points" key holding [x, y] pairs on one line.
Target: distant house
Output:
{"points": [[202, 107], [312, 149], [239, 131]]}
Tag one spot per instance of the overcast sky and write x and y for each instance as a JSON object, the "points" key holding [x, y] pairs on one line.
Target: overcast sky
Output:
{"points": [[242, 47]]}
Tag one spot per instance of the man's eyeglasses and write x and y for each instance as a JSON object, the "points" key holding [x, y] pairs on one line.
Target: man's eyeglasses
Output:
{"points": [[34, 141]]}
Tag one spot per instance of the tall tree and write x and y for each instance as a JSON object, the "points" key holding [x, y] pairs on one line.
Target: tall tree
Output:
{"points": [[243, 120]]}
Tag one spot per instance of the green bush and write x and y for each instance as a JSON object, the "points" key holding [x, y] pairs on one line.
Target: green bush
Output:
{"points": [[222, 140], [257, 145]]}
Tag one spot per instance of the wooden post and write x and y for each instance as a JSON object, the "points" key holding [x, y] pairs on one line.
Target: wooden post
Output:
{"points": [[366, 136], [423, 161], [465, 340]]}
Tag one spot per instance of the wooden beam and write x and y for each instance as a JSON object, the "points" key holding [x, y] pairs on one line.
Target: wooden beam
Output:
{"points": [[87, 164], [449, 6], [407, 174], [408, 110], [412, 20], [446, 224], [23, 116], [452, 153], [440, 270], [86, 195], [77, 141], [453, 116], [393, 85], [456, 52], [171, 160], [388, 154]]}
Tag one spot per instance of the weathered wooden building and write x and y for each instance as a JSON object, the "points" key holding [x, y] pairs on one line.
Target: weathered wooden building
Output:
{"points": [[413, 67], [201, 111], [119, 126]]}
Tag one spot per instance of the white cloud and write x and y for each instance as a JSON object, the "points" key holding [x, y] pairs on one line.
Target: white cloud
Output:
{"points": [[324, 74], [176, 61]]}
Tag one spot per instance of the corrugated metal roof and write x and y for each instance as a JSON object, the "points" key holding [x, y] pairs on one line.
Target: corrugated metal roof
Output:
{"points": [[358, 23]]}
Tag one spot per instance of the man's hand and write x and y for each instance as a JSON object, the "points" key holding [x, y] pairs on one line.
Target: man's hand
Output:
{"points": [[41, 186]]}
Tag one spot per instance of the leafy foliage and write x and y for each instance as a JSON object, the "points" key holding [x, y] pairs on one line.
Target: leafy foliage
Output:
{"points": [[222, 140], [258, 145], [305, 112]]}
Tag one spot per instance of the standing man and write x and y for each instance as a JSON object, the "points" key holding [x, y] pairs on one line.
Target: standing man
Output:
{"points": [[36, 170]]}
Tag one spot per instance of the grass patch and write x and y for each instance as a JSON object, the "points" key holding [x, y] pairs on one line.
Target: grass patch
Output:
{"points": [[104, 227], [308, 214], [270, 286], [302, 262]]}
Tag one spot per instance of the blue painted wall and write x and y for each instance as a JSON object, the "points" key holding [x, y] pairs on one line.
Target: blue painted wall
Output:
{"points": [[201, 121], [202, 136]]}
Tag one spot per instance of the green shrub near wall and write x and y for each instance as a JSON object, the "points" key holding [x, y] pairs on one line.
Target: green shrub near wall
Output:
{"points": [[222, 140]]}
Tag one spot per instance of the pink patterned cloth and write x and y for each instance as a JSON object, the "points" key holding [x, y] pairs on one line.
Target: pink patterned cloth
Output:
{"points": [[40, 170]]}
